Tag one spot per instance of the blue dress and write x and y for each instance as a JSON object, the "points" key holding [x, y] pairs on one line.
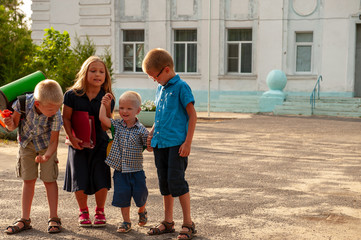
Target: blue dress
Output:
{"points": [[86, 169]]}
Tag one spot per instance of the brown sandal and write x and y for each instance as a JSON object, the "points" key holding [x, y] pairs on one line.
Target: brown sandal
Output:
{"points": [[54, 228], [189, 233], [16, 229], [169, 228], [143, 218]]}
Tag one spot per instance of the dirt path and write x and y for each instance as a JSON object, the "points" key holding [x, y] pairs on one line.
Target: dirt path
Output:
{"points": [[255, 177]]}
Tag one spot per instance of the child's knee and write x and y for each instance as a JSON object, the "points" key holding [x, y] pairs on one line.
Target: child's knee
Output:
{"points": [[32, 181]]}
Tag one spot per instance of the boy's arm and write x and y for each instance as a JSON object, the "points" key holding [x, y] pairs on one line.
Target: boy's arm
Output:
{"points": [[105, 112], [103, 117], [12, 122], [185, 148], [149, 139], [53, 145]]}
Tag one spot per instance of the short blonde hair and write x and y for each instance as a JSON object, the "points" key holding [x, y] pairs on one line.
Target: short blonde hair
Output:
{"points": [[48, 91], [132, 96], [80, 85], [156, 59]]}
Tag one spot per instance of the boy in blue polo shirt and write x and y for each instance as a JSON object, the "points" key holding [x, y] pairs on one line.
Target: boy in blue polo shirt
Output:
{"points": [[171, 137]]}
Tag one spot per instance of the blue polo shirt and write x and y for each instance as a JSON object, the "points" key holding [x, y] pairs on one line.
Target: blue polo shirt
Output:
{"points": [[171, 118]]}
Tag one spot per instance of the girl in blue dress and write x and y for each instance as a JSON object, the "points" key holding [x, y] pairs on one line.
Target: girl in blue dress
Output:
{"points": [[86, 172]]}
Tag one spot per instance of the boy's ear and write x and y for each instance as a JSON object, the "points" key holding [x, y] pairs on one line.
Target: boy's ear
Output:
{"points": [[139, 109], [36, 103]]}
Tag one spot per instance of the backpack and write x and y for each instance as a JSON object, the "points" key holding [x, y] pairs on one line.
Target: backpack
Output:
{"points": [[22, 101]]}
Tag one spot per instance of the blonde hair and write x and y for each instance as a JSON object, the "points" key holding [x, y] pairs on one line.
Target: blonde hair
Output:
{"points": [[156, 59], [132, 96], [48, 91], [80, 85]]}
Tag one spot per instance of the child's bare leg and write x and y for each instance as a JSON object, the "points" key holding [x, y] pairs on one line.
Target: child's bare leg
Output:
{"points": [[101, 197], [27, 197], [82, 199], [186, 209], [26, 201], [52, 194], [141, 209], [168, 202], [185, 202], [126, 214], [126, 225]]}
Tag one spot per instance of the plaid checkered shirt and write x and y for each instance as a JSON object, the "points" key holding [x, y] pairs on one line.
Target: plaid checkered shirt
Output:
{"points": [[126, 153], [36, 127]]}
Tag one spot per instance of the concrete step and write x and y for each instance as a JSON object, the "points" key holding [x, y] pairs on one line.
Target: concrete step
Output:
{"points": [[293, 105], [347, 107]]}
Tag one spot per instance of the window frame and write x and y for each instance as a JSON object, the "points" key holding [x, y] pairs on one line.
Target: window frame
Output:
{"points": [[304, 44], [134, 45], [239, 57], [186, 43]]}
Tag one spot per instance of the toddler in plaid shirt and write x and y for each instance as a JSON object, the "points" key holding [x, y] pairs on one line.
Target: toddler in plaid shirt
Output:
{"points": [[126, 156]]}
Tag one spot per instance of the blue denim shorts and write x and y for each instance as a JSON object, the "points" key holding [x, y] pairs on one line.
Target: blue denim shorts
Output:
{"points": [[128, 185], [171, 171]]}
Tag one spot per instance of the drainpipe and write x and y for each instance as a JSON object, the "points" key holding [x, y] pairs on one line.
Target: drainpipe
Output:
{"points": [[209, 60]]}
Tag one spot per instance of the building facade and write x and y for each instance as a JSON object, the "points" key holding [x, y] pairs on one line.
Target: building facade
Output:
{"points": [[220, 47]]}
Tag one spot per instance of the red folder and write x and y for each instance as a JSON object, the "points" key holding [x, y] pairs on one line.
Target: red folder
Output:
{"points": [[84, 128]]}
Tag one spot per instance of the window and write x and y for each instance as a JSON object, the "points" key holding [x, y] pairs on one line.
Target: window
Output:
{"points": [[185, 50], [239, 51], [133, 50], [304, 43]]}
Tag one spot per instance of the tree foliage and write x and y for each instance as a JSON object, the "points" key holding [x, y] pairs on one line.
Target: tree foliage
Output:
{"points": [[55, 56], [59, 61], [16, 46]]}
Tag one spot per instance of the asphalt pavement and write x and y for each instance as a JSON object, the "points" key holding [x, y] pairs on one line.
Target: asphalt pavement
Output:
{"points": [[251, 177]]}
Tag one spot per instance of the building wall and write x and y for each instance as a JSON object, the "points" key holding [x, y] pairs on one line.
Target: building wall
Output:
{"points": [[274, 26]]}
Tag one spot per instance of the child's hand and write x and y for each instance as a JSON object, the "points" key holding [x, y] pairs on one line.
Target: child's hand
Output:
{"points": [[41, 158], [107, 99], [76, 143], [8, 121], [149, 140], [184, 150]]}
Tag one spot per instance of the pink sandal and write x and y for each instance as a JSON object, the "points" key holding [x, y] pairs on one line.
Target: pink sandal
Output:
{"points": [[84, 220], [99, 220]]}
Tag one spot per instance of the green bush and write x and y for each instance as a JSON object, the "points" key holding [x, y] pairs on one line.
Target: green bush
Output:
{"points": [[59, 61]]}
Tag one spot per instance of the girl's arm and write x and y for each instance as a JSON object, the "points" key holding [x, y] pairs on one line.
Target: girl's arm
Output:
{"points": [[105, 111], [185, 148], [67, 112]]}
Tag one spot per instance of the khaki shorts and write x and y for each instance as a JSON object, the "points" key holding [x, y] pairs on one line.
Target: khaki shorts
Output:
{"points": [[27, 168]]}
